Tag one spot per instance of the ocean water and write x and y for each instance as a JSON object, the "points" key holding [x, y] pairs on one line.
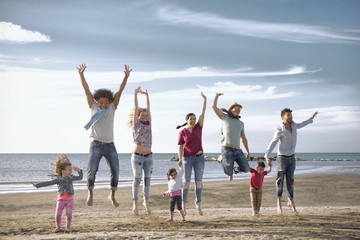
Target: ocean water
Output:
{"points": [[18, 170]]}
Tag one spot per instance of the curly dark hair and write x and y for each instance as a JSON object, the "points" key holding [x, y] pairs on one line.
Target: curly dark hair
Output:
{"points": [[105, 93], [285, 110]]}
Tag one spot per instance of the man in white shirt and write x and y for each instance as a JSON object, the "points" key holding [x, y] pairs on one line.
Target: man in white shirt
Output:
{"points": [[287, 134]]}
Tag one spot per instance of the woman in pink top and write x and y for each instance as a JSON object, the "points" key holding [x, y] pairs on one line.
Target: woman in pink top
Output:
{"points": [[191, 154], [256, 181]]}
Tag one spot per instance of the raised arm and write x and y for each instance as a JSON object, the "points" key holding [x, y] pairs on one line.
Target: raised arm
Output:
{"points": [[203, 109], [147, 104], [136, 105], [89, 96], [122, 86], [217, 111]]}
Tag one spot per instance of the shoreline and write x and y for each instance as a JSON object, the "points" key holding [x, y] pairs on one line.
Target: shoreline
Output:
{"points": [[329, 208]]}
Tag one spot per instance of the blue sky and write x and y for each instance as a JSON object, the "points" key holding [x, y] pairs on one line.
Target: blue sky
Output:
{"points": [[264, 54]]}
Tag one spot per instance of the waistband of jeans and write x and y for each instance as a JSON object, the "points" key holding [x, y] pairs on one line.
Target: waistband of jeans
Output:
{"points": [[143, 155], [96, 141], [286, 156], [197, 155], [232, 148]]}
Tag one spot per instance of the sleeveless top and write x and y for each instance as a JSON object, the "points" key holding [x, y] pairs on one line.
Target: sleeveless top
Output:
{"points": [[142, 133]]}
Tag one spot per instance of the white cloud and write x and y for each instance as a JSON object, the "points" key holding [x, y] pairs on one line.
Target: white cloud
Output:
{"points": [[13, 33], [276, 31]]}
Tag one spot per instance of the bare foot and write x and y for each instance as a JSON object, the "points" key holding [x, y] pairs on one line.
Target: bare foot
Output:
{"points": [[68, 230], [146, 205], [135, 208], [89, 200], [184, 208], [113, 201], [56, 230], [291, 204], [198, 207], [279, 208], [169, 220]]}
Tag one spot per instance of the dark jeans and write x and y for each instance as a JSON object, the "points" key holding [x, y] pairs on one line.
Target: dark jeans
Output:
{"points": [[285, 168]]}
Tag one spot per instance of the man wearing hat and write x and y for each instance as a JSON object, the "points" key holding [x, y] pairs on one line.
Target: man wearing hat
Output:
{"points": [[232, 131]]}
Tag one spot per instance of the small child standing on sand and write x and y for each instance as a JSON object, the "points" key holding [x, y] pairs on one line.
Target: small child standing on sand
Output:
{"points": [[64, 180], [256, 181], [174, 191]]}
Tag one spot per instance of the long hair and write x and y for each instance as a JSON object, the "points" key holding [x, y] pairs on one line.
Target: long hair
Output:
{"points": [[131, 116], [186, 118], [60, 164]]}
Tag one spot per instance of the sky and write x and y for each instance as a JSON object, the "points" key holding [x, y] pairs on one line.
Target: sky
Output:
{"points": [[264, 54]]}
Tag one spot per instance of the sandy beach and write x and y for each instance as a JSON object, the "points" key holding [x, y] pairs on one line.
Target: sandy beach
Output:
{"points": [[328, 205]]}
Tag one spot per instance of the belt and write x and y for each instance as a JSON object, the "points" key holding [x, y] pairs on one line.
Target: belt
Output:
{"points": [[143, 155], [287, 156], [102, 142], [199, 154]]}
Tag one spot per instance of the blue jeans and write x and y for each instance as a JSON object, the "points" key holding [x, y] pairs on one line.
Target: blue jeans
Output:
{"points": [[198, 163], [141, 166], [231, 155], [97, 151], [285, 167]]}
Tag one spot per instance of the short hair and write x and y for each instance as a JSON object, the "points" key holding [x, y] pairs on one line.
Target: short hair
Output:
{"points": [[285, 110], [260, 164], [105, 93]]}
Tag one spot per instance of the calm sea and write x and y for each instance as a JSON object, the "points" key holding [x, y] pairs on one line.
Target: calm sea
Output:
{"points": [[17, 170]]}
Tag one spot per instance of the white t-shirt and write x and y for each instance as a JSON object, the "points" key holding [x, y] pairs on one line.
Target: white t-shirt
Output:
{"points": [[103, 129]]}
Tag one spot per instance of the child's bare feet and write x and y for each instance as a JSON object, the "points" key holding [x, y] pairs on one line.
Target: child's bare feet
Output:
{"points": [[169, 220], [89, 200], [56, 230]]}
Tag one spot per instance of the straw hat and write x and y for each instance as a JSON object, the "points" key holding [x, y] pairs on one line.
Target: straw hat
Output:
{"points": [[233, 105]]}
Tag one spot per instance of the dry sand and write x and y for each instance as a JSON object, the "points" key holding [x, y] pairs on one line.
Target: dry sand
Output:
{"points": [[328, 205]]}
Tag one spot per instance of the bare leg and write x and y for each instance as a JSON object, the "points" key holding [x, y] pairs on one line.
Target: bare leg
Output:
{"points": [[279, 208], [89, 200], [171, 217], [182, 214], [231, 177], [111, 197], [146, 205], [291, 204], [198, 207], [135, 208]]}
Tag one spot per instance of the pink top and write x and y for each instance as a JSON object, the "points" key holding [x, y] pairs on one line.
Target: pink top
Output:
{"points": [[64, 196], [175, 193], [191, 140], [256, 180]]}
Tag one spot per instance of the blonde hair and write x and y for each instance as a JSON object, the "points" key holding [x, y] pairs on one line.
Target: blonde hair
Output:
{"points": [[60, 164], [131, 115]]}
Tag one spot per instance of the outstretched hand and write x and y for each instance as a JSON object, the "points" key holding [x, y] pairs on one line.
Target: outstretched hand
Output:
{"points": [[33, 184], [218, 94], [81, 68], [127, 70], [314, 115], [203, 95]]}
